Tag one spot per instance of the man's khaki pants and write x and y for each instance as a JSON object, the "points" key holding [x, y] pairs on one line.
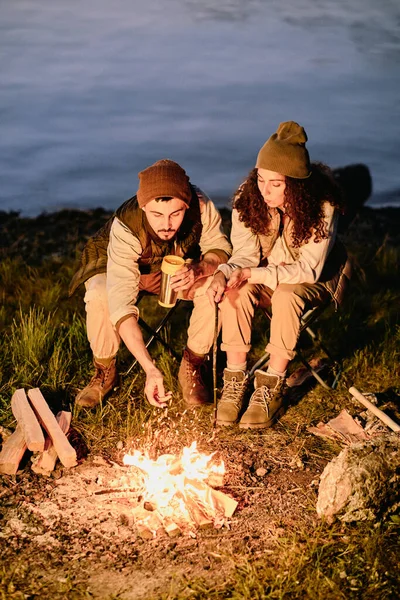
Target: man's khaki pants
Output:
{"points": [[288, 303], [102, 335]]}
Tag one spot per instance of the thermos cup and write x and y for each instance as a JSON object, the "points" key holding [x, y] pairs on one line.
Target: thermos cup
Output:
{"points": [[170, 265]]}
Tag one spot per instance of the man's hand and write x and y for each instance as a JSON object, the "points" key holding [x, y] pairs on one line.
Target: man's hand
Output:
{"points": [[238, 277], [217, 288], [154, 388], [184, 278]]}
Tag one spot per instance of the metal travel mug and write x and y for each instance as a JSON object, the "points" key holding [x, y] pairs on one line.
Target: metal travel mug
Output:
{"points": [[170, 265]]}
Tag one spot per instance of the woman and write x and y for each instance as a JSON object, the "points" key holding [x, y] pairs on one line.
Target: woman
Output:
{"points": [[285, 253]]}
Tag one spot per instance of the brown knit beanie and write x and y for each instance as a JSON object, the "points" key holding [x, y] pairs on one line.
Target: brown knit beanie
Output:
{"points": [[164, 178], [285, 152]]}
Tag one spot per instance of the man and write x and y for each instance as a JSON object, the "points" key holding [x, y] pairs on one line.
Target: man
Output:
{"points": [[168, 215]]}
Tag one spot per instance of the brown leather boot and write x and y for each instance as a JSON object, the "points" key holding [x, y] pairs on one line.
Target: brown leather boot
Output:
{"points": [[101, 384], [191, 376]]}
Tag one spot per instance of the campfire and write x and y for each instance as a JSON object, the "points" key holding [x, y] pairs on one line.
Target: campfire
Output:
{"points": [[172, 494], [177, 494]]}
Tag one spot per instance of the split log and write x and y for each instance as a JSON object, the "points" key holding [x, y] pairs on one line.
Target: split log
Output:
{"points": [[171, 528], [148, 523], [13, 451], [65, 451], [208, 496], [224, 503], [46, 461], [200, 518], [27, 421]]}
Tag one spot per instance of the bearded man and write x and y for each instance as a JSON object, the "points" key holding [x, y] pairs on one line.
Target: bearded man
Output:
{"points": [[168, 215]]}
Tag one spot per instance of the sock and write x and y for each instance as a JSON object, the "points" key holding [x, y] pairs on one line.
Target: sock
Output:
{"points": [[281, 374], [234, 367]]}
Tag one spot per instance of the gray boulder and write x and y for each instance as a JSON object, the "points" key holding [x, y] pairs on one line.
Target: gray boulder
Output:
{"points": [[363, 482]]}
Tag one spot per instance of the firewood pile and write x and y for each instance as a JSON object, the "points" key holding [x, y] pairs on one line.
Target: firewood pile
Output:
{"points": [[39, 431], [171, 495]]}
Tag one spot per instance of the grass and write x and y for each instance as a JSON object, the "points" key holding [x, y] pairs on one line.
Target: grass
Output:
{"points": [[43, 343]]}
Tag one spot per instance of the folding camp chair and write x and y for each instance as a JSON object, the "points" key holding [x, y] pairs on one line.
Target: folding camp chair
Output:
{"points": [[155, 334], [306, 321]]}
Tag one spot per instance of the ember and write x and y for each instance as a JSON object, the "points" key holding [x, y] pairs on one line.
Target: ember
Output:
{"points": [[177, 495]]}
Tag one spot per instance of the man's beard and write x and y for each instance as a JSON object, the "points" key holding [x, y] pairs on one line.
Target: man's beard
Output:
{"points": [[160, 233]]}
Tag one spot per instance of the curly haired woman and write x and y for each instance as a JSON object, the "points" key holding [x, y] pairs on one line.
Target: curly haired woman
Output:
{"points": [[285, 254]]}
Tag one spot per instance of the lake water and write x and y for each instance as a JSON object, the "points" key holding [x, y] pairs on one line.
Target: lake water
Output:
{"points": [[91, 92]]}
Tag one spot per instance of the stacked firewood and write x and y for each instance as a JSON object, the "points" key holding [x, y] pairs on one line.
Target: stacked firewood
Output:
{"points": [[39, 431]]}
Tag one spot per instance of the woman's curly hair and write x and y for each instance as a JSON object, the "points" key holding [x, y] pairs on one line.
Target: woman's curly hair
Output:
{"points": [[304, 200]]}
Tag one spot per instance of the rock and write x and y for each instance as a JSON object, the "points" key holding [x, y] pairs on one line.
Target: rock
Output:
{"points": [[261, 472], [362, 482]]}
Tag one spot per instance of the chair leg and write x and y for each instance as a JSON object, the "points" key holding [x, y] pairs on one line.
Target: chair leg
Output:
{"points": [[317, 341], [260, 363], [313, 371], [154, 335]]}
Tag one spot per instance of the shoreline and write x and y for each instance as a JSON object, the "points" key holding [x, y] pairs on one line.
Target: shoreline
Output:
{"points": [[62, 234]]}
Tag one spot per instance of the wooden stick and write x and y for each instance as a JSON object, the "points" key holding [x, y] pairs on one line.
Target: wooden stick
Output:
{"points": [[215, 348], [377, 412], [65, 451], [46, 461], [27, 420], [13, 451]]}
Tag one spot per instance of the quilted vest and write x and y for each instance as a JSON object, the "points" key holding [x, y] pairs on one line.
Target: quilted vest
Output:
{"points": [[186, 242]]}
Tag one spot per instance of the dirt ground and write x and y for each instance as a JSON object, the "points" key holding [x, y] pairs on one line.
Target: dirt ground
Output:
{"points": [[60, 522]]}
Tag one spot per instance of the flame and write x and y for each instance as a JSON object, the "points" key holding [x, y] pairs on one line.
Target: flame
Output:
{"points": [[170, 483]]}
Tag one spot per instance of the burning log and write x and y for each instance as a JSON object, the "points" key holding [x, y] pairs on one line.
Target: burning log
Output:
{"points": [[175, 490], [13, 450], [27, 421], [63, 448], [44, 463], [149, 523]]}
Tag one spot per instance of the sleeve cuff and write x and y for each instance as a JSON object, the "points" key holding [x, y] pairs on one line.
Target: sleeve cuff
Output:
{"points": [[123, 313], [263, 276], [226, 269], [221, 254]]}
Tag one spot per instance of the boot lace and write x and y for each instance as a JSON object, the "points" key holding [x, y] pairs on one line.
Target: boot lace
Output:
{"points": [[100, 376], [233, 391], [262, 397]]}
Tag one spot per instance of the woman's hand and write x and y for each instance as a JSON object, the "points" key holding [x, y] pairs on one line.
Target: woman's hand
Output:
{"points": [[238, 277], [217, 288]]}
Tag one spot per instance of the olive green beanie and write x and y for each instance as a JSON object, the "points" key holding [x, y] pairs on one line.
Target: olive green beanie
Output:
{"points": [[164, 178], [285, 152]]}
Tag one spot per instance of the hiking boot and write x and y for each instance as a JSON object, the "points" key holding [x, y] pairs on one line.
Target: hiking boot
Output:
{"points": [[266, 403], [101, 384], [191, 376], [231, 401]]}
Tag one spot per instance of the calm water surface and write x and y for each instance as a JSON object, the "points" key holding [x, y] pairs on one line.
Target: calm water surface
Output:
{"points": [[91, 92]]}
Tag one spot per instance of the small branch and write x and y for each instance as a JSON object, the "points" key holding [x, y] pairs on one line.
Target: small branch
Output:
{"points": [[377, 412]]}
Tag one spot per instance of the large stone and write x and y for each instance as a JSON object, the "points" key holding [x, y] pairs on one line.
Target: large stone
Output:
{"points": [[362, 482]]}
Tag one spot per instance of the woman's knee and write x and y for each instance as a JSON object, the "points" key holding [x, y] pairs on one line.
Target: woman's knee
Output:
{"points": [[286, 295]]}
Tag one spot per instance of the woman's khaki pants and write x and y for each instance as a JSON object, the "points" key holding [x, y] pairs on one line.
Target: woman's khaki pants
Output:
{"points": [[102, 335], [288, 303]]}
